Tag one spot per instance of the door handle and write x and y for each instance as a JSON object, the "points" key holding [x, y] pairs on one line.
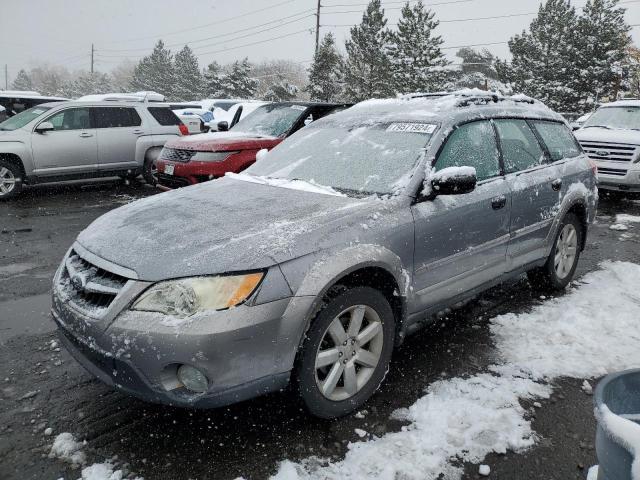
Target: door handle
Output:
{"points": [[556, 184], [138, 132], [498, 202], [86, 135]]}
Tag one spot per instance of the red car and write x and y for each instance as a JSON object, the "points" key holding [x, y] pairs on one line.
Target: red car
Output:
{"points": [[199, 158]]}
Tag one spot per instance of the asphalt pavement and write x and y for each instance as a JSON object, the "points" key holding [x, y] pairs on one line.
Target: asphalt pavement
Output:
{"points": [[251, 438]]}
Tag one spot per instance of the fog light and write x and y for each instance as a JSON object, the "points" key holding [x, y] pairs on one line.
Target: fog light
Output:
{"points": [[192, 378]]}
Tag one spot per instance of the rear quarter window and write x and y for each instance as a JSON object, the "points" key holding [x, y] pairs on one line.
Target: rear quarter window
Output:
{"points": [[558, 138], [164, 116]]}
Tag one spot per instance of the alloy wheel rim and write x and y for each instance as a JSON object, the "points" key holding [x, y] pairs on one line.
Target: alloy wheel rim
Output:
{"points": [[566, 249], [349, 352], [7, 181]]}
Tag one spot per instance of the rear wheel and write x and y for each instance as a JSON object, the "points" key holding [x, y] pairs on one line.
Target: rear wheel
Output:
{"points": [[563, 259], [10, 180], [346, 353]]}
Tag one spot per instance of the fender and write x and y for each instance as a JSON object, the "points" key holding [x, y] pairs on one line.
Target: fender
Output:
{"points": [[323, 270], [143, 145], [577, 195], [22, 151]]}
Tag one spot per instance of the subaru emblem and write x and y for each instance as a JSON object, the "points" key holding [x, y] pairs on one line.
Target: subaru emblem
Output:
{"points": [[79, 282]]}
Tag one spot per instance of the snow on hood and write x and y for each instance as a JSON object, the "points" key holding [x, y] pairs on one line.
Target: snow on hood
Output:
{"points": [[215, 140], [221, 226], [611, 135]]}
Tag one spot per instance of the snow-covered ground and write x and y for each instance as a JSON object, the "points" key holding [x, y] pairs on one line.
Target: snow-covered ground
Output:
{"points": [[590, 331]]}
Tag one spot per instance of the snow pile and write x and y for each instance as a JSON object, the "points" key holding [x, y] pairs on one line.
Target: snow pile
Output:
{"points": [[66, 448], [588, 332], [622, 221]]}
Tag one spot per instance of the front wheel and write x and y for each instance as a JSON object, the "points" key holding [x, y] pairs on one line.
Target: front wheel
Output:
{"points": [[10, 180], [150, 168], [346, 352], [563, 259]]}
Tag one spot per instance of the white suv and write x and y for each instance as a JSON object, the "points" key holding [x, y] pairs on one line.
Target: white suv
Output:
{"points": [[83, 139], [611, 137]]}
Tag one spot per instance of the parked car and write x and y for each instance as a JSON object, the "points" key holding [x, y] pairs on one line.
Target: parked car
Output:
{"points": [[319, 259], [579, 122], [611, 137], [197, 120], [203, 157], [71, 140], [17, 101]]}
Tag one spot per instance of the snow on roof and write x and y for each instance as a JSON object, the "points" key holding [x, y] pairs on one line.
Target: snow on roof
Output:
{"points": [[20, 93], [124, 97], [622, 103]]}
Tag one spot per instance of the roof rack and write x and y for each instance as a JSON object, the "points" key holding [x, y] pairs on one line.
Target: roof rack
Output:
{"points": [[124, 97], [471, 97]]}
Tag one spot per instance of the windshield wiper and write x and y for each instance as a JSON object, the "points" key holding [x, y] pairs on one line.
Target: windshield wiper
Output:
{"points": [[597, 126]]}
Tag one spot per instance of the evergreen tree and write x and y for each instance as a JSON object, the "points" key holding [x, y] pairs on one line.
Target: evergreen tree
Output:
{"points": [[238, 82], [282, 91], [367, 69], [544, 59], [22, 81], [325, 82], [604, 40], [415, 51], [481, 61], [189, 81], [213, 79], [88, 84], [155, 72]]}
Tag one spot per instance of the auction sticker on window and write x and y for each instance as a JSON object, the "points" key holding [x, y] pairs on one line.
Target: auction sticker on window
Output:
{"points": [[412, 127], [298, 107]]}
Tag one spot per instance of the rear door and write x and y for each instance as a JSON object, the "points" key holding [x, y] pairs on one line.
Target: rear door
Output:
{"points": [[536, 189], [461, 240], [118, 130], [70, 148]]}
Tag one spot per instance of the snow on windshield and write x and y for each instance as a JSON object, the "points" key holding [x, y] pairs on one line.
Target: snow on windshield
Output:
{"points": [[354, 157], [273, 120], [615, 117]]}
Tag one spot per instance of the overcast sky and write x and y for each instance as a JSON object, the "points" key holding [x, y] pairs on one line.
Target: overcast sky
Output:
{"points": [[62, 31]]}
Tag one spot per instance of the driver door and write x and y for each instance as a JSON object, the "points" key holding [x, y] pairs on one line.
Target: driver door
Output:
{"points": [[70, 148], [461, 240]]}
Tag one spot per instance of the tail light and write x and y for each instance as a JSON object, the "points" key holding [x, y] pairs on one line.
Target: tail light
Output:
{"points": [[594, 167], [183, 129]]}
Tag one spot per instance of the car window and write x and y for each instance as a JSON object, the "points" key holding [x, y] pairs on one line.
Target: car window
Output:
{"points": [[559, 140], [71, 119], [115, 117], [472, 145], [520, 147], [23, 118], [164, 116]]}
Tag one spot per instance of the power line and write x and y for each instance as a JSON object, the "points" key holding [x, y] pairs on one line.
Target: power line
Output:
{"points": [[306, 30], [453, 20], [218, 22]]}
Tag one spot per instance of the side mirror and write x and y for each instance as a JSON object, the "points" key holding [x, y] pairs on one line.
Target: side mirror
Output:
{"points": [[223, 126], [453, 181], [45, 127], [575, 126]]}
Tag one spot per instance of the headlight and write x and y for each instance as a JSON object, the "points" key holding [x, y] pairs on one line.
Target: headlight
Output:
{"points": [[211, 156], [185, 297]]}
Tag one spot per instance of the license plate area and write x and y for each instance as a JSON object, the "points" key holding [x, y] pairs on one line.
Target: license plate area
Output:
{"points": [[169, 168]]}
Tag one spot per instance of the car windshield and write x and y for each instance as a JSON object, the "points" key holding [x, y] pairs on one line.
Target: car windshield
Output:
{"points": [[23, 118], [271, 120], [627, 118], [356, 159]]}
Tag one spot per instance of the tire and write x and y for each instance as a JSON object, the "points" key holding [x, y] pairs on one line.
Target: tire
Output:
{"points": [[561, 265], [10, 180], [149, 170], [356, 367]]}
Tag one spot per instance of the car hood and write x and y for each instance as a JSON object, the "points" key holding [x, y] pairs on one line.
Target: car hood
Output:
{"points": [[221, 226], [597, 134], [222, 141]]}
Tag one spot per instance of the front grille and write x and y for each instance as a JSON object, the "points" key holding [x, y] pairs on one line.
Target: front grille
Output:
{"points": [[618, 172], [175, 155], [90, 288], [612, 152], [171, 181]]}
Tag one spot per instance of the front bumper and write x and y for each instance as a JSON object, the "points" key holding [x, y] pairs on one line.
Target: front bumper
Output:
{"points": [[618, 176], [244, 352]]}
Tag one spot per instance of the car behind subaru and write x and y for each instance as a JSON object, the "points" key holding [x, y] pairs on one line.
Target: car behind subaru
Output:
{"points": [[314, 263], [203, 157]]}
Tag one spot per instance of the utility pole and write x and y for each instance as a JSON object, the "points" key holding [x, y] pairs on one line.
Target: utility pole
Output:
{"points": [[92, 51], [6, 76], [318, 25]]}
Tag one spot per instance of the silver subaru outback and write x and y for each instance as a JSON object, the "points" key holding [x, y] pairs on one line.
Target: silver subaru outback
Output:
{"points": [[313, 264], [78, 139]]}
